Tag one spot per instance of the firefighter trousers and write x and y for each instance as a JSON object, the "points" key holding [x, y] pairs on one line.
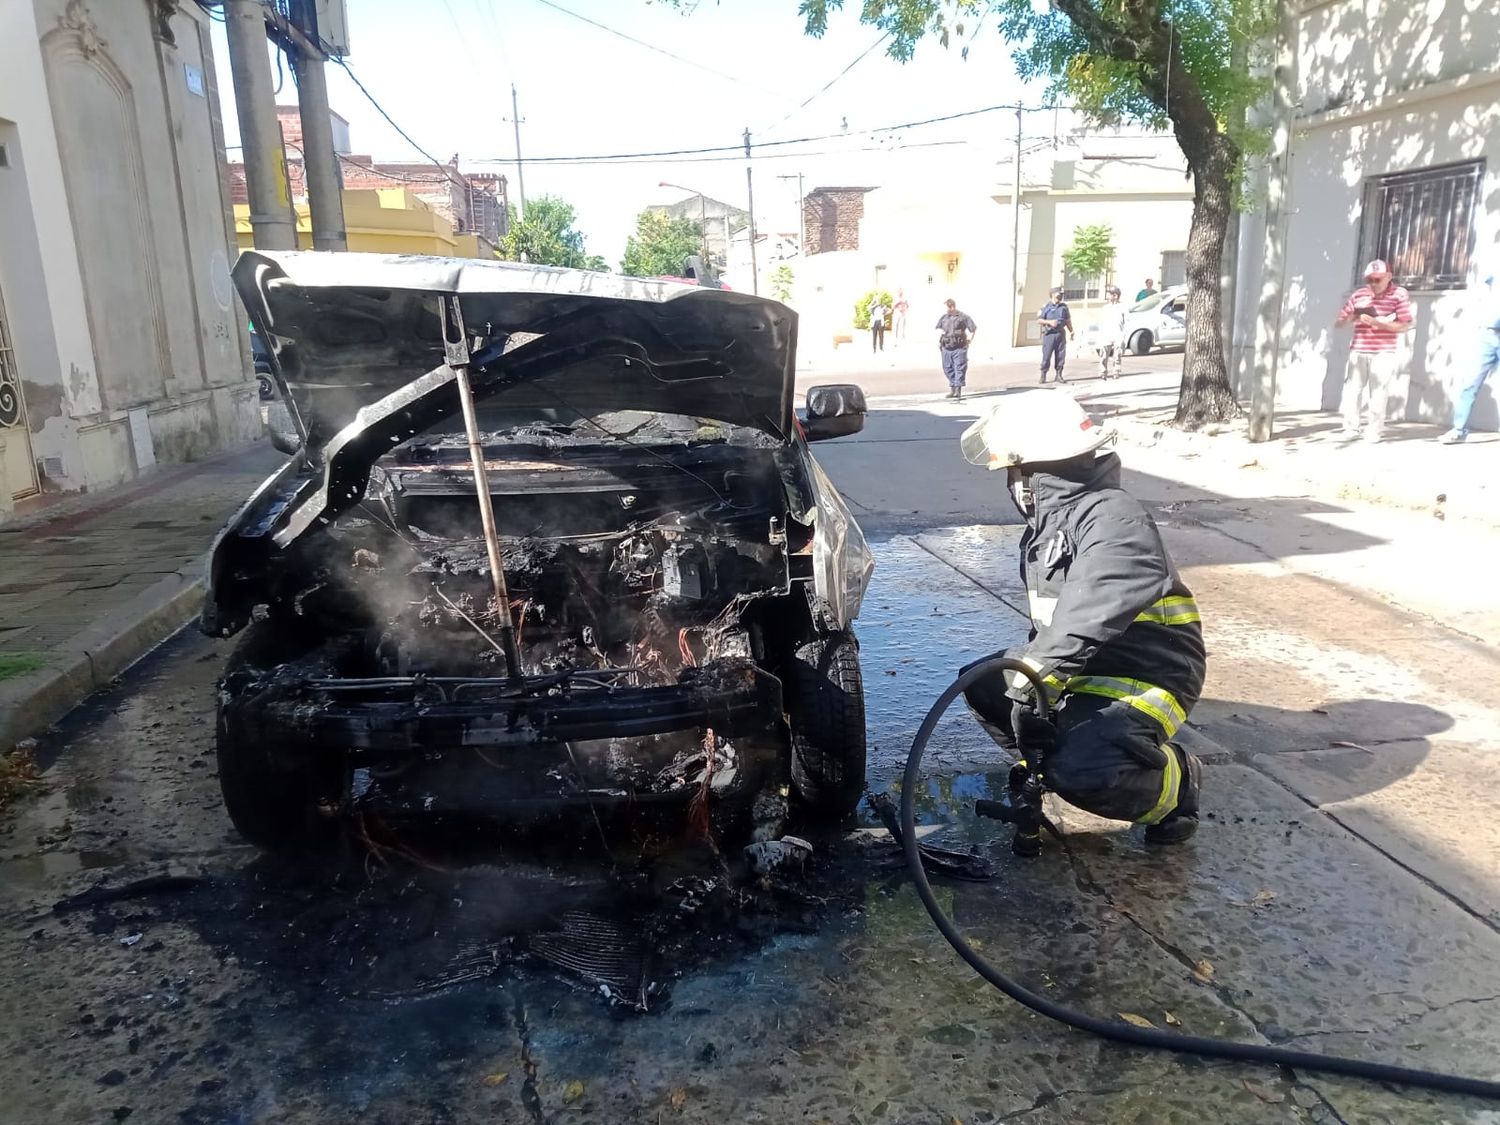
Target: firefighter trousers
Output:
{"points": [[1100, 754]]}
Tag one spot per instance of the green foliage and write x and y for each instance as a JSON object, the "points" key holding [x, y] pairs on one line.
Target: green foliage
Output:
{"points": [[660, 245], [1092, 251], [545, 237], [781, 282], [1106, 57], [20, 663], [863, 306]]}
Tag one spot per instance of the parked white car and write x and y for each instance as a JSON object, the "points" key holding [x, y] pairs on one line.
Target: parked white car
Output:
{"points": [[1158, 321]]}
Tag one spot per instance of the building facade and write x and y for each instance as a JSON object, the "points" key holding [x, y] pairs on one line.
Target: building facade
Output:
{"points": [[121, 341], [468, 202], [1395, 154], [946, 231]]}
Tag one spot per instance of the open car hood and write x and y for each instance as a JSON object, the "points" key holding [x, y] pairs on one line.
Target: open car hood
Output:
{"points": [[349, 331]]}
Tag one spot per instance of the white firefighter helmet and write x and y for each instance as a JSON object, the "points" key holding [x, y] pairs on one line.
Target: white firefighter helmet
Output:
{"points": [[1032, 427]]}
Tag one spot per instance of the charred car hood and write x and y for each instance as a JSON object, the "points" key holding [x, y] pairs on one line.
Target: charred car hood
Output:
{"points": [[348, 332]]}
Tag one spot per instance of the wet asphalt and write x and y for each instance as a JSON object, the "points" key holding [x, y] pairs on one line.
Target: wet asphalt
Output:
{"points": [[153, 968]]}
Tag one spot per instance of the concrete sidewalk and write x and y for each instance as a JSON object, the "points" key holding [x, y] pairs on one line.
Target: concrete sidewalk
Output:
{"points": [[1409, 469], [94, 582]]}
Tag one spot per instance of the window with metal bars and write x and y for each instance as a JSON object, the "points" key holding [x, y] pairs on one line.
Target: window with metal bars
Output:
{"points": [[1422, 224], [1076, 287]]}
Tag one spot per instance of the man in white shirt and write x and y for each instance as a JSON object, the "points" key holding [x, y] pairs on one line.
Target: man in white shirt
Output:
{"points": [[1111, 334]]}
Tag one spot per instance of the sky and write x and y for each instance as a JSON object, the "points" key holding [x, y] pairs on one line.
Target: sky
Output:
{"points": [[443, 71]]}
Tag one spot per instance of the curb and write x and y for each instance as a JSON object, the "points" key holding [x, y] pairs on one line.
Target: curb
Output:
{"points": [[89, 661]]}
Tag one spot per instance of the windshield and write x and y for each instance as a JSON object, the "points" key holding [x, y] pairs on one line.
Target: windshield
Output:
{"points": [[1149, 303]]}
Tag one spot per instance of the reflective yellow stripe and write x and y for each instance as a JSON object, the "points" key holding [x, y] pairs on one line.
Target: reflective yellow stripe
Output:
{"points": [[1171, 787], [1176, 610], [1149, 699], [1055, 686]]}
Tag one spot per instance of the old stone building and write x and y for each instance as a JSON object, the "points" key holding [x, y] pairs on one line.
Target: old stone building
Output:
{"points": [[121, 342], [831, 216]]}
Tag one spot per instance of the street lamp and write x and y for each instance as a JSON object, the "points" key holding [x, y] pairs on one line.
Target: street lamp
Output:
{"points": [[702, 219]]}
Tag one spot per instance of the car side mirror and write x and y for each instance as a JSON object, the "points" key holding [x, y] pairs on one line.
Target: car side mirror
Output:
{"points": [[834, 410]]}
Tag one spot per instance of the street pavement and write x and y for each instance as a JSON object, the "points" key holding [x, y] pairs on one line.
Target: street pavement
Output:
{"points": [[1340, 895]]}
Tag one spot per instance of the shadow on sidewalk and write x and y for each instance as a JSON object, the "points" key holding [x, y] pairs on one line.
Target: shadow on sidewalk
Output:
{"points": [[905, 469]]}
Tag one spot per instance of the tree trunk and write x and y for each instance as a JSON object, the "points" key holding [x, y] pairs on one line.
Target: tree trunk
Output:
{"points": [[1205, 394]]}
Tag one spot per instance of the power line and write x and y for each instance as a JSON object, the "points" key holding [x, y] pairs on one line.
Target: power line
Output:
{"points": [[658, 50], [602, 158], [798, 155], [389, 120], [829, 84]]}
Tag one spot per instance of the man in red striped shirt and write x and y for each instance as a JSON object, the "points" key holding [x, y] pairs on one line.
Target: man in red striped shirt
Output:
{"points": [[1380, 312]]}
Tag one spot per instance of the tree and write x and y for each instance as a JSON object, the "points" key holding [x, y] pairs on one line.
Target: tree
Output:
{"points": [[660, 246], [545, 237], [1159, 62], [781, 283], [1092, 251]]}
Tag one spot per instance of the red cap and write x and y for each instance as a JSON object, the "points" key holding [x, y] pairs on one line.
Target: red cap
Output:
{"points": [[1377, 268]]}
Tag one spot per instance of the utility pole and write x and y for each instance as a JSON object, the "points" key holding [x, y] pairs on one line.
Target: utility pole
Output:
{"points": [[801, 218], [515, 118], [325, 199], [750, 199], [1273, 270], [271, 225], [703, 228], [1015, 238]]}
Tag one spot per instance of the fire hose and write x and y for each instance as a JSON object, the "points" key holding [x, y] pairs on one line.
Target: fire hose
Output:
{"points": [[1154, 1038]]}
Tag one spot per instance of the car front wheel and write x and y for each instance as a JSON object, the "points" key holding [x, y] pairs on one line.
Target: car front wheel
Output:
{"points": [[273, 806], [826, 708], [1140, 343]]}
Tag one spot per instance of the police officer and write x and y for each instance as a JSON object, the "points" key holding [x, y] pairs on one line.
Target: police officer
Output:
{"points": [[1116, 635], [1055, 319]]}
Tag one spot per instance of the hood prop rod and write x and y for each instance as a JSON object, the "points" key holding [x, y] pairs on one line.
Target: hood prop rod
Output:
{"points": [[456, 354]]}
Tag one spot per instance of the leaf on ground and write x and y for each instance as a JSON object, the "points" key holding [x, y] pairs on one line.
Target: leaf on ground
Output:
{"points": [[1139, 1021], [678, 1099], [572, 1092], [496, 1079], [1263, 896], [1265, 1095], [1203, 971], [1172, 1020], [1342, 745]]}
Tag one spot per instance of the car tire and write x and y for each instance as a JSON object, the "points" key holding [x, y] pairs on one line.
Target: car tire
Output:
{"points": [[1140, 343], [826, 708], [272, 806]]}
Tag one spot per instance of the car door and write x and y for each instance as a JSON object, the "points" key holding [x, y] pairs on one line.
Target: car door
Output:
{"points": [[1172, 322]]}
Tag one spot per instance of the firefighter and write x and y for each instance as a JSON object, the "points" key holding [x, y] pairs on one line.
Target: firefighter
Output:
{"points": [[1116, 637]]}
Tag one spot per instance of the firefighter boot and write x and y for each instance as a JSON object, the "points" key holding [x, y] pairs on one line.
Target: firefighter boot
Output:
{"points": [[1179, 824]]}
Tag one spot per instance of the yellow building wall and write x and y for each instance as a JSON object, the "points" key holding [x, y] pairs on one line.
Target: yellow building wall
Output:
{"points": [[380, 221]]}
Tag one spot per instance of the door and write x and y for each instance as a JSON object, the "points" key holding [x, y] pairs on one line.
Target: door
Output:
{"points": [[1172, 326], [15, 435]]}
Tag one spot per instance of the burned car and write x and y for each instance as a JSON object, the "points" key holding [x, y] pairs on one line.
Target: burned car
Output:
{"points": [[546, 540]]}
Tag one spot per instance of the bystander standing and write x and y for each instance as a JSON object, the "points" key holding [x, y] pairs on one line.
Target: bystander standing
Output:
{"points": [[1380, 312], [898, 315], [1486, 360], [1111, 328], [877, 325], [1142, 294]]}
